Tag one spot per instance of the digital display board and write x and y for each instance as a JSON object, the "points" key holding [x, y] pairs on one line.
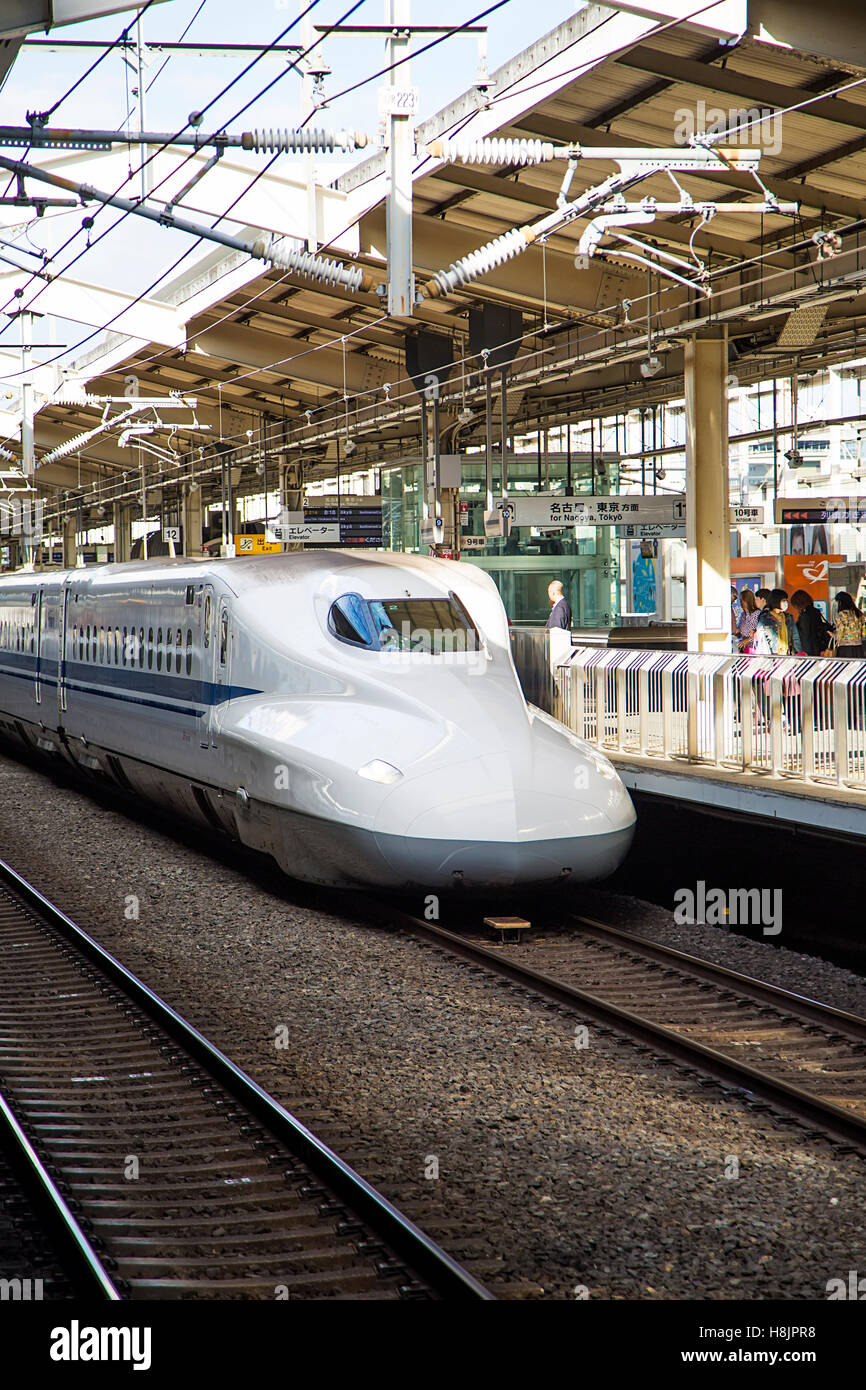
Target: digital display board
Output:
{"points": [[358, 525], [814, 511]]}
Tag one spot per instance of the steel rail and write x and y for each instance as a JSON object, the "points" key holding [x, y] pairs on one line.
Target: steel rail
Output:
{"points": [[75, 1250], [439, 1271], [800, 1005], [829, 1119]]}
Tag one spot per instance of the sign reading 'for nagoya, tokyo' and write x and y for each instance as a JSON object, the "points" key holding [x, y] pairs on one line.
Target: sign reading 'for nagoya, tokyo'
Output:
{"points": [[596, 511]]}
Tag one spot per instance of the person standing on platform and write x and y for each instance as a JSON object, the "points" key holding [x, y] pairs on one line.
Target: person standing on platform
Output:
{"points": [[849, 626], [776, 632], [815, 635], [748, 621], [559, 623], [560, 608]]}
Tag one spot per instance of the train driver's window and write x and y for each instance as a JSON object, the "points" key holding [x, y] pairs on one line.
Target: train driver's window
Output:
{"points": [[349, 619]]}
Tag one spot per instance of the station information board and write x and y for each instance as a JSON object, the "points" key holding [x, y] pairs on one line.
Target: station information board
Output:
{"points": [[616, 510], [357, 525], [806, 511]]}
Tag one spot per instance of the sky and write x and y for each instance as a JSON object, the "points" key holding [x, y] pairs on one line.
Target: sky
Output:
{"points": [[135, 252]]}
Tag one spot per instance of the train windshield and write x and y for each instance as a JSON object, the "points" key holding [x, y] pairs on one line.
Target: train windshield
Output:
{"points": [[431, 625]]}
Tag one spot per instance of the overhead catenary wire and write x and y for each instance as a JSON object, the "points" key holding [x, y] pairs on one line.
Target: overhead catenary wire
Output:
{"points": [[380, 320], [153, 154], [352, 9]]}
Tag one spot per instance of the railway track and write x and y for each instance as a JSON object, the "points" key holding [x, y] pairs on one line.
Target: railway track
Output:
{"points": [[165, 1171], [794, 1054]]}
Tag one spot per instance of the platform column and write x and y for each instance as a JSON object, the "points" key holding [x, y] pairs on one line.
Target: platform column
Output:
{"points": [[70, 541], [122, 516], [708, 561], [192, 522]]}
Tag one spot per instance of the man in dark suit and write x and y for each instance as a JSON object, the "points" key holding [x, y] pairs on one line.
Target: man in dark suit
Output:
{"points": [[560, 609]]}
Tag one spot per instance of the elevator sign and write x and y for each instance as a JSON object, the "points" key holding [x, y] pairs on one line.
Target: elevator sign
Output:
{"points": [[547, 511]]}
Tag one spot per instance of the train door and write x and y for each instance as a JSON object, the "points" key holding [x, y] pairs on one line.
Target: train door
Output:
{"points": [[61, 648], [38, 621], [222, 656]]}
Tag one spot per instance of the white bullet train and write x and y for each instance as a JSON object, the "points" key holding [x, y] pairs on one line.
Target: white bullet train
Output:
{"points": [[355, 715]]}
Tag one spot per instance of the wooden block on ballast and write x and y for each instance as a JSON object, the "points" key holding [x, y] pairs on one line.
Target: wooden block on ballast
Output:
{"points": [[509, 928]]}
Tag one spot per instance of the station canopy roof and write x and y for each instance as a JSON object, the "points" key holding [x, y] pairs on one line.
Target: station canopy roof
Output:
{"points": [[322, 365]]}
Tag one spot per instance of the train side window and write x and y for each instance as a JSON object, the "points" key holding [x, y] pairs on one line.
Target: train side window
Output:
{"points": [[117, 647], [101, 646], [207, 616], [224, 637], [141, 647], [178, 651], [189, 651], [167, 649], [150, 649], [88, 650], [123, 649]]}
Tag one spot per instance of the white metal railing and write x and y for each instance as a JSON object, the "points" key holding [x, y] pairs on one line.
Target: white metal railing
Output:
{"points": [[798, 716]]}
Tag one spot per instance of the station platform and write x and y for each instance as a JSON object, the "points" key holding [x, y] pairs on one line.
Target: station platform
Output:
{"points": [[839, 812]]}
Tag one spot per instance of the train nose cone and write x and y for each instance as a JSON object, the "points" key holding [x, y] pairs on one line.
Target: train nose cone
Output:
{"points": [[489, 829]]}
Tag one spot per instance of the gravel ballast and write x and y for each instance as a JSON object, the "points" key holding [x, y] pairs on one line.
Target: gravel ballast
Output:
{"points": [[550, 1170]]}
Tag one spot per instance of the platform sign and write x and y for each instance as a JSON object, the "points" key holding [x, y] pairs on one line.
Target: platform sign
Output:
{"points": [[171, 533], [616, 510], [650, 531], [325, 533], [748, 516], [254, 544], [815, 511], [473, 542], [499, 520], [432, 530]]}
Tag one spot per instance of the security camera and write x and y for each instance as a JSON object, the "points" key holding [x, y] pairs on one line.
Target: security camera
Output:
{"points": [[651, 366], [350, 447]]}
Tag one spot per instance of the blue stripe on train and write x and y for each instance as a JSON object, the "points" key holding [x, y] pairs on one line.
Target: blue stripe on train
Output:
{"points": [[130, 686]]}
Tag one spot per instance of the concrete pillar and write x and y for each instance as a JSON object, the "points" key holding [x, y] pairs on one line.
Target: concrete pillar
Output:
{"points": [[70, 545], [708, 562], [122, 532], [192, 522]]}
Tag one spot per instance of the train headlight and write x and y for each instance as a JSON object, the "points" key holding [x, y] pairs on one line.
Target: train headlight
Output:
{"points": [[603, 767], [379, 771]]}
